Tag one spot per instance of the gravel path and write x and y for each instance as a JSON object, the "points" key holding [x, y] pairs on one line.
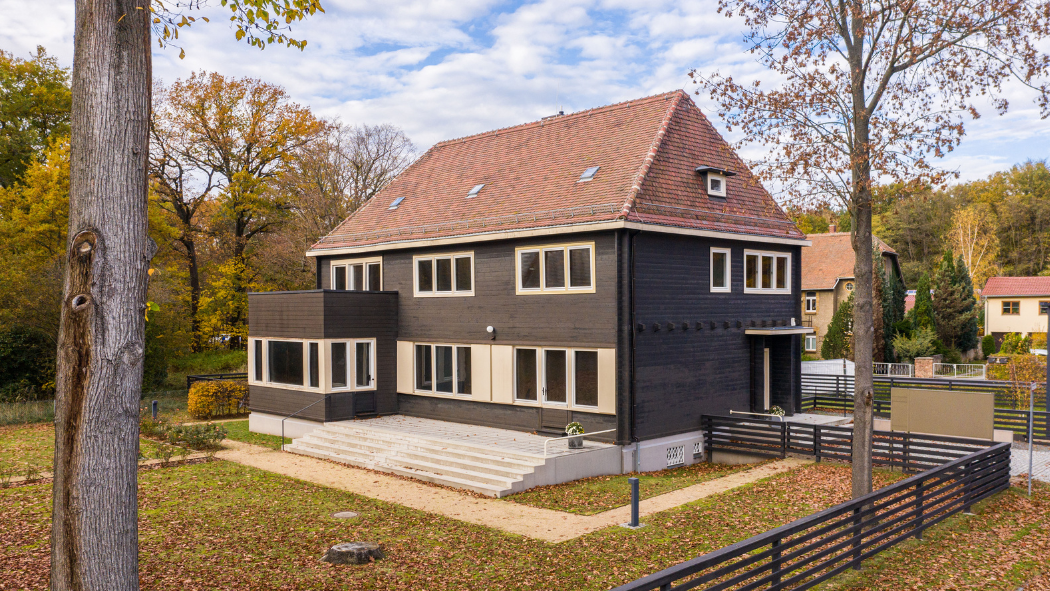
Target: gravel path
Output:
{"points": [[533, 522], [1040, 461]]}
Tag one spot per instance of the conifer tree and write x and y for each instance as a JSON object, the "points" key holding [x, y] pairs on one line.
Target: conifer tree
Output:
{"points": [[952, 309], [838, 340], [922, 313], [878, 286], [968, 336]]}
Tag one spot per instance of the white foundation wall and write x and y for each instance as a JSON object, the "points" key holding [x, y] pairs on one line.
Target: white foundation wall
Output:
{"points": [[267, 424], [653, 453]]}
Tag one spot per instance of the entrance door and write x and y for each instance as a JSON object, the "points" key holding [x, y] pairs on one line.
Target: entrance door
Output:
{"points": [[765, 378]]}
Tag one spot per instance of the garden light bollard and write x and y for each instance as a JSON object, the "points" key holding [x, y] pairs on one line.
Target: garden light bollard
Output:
{"points": [[634, 501], [155, 408]]}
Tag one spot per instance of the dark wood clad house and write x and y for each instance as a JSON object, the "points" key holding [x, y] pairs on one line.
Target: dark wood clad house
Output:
{"points": [[619, 267]]}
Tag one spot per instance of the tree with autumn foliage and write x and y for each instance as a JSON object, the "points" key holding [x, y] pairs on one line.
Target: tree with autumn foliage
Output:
{"points": [[873, 90]]}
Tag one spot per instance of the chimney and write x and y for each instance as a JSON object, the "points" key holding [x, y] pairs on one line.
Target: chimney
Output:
{"points": [[832, 228]]}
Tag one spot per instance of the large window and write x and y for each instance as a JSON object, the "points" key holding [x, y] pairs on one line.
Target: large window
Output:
{"points": [[354, 364], [767, 272], [286, 362], [365, 275], [556, 376], [562, 268], [1011, 308], [811, 302], [443, 369], [720, 278], [445, 275], [811, 343]]}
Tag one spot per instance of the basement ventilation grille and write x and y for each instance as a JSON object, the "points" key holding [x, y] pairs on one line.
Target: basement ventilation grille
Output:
{"points": [[676, 456], [696, 450]]}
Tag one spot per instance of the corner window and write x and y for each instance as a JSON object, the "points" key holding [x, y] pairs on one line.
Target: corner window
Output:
{"points": [[562, 268], [258, 360], [445, 275], [444, 369], [359, 275], [1011, 308], [720, 278], [811, 343], [811, 302], [314, 352], [354, 364], [767, 272]]}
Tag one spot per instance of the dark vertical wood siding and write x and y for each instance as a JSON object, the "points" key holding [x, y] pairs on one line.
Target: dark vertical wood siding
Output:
{"points": [[683, 374]]}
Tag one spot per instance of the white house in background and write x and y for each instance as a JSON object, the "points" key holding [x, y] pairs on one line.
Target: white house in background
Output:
{"points": [[1015, 304]]}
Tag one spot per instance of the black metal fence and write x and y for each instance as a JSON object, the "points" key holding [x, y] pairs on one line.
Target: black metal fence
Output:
{"points": [[759, 437], [211, 377], [811, 550]]}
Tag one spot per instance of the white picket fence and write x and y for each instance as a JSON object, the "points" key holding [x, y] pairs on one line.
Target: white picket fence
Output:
{"points": [[959, 370]]}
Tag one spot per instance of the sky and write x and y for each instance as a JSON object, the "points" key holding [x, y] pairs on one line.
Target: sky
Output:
{"points": [[442, 69]]}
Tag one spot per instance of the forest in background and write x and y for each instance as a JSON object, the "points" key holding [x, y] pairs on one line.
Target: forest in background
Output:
{"points": [[243, 181]]}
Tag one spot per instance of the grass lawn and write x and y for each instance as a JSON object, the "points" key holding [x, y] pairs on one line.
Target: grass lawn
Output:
{"points": [[222, 525], [238, 431], [601, 493]]}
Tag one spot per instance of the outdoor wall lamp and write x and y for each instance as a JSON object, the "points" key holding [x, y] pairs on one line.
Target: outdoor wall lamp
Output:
{"points": [[492, 332]]}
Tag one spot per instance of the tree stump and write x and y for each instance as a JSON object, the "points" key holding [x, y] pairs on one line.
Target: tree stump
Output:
{"points": [[353, 553]]}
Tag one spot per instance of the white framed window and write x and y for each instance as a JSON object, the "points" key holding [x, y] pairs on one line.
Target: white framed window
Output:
{"points": [[443, 369], [811, 343], [556, 268], [716, 184], [721, 277], [446, 275], [811, 302], [556, 376], [353, 364], [357, 275], [767, 272], [285, 362]]}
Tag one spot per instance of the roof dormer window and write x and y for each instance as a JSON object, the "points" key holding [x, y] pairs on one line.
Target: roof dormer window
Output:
{"points": [[714, 180]]}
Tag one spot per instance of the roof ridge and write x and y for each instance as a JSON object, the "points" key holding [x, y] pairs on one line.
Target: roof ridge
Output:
{"points": [[559, 118], [639, 179]]}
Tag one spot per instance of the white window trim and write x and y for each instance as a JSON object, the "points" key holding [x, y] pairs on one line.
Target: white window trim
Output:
{"points": [[442, 294], [543, 289], [433, 370], [541, 378], [351, 365], [773, 280], [729, 270], [712, 193], [806, 340], [805, 302], [305, 387], [349, 276]]}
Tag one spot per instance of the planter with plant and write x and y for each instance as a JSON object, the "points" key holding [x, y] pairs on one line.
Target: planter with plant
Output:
{"points": [[574, 431], [776, 411]]}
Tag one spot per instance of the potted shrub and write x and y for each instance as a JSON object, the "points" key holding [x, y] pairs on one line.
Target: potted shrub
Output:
{"points": [[574, 431], [776, 411]]}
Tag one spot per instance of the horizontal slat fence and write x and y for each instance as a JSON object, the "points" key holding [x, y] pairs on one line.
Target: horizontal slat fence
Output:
{"points": [[842, 385], [214, 377], [811, 550], [907, 451]]}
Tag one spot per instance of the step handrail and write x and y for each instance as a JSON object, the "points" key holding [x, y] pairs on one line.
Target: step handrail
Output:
{"points": [[566, 438], [325, 397], [757, 414]]}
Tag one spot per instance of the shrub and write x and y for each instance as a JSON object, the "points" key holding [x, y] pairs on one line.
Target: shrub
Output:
{"points": [[988, 345], [920, 345], [217, 399], [197, 437], [1037, 340], [1015, 343]]}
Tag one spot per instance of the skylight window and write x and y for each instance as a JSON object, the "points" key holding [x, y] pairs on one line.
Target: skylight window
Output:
{"points": [[396, 203], [474, 192], [588, 174]]}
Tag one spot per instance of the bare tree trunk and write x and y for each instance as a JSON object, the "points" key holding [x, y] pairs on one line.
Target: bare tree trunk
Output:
{"points": [[94, 536], [195, 292]]}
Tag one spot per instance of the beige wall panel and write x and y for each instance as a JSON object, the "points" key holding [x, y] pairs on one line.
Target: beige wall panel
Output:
{"points": [[503, 374], [481, 373], [1029, 320], [404, 367], [607, 380], [941, 412]]}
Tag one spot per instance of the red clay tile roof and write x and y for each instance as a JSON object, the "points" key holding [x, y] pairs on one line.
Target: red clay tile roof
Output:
{"points": [[648, 150], [1017, 286], [830, 258]]}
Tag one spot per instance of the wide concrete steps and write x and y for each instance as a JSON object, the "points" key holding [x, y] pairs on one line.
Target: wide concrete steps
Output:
{"points": [[486, 471]]}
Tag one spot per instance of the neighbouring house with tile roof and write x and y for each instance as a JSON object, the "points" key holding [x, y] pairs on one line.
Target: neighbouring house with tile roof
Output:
{"points": [[828, 279], [618, 267], [1015, 304]]}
